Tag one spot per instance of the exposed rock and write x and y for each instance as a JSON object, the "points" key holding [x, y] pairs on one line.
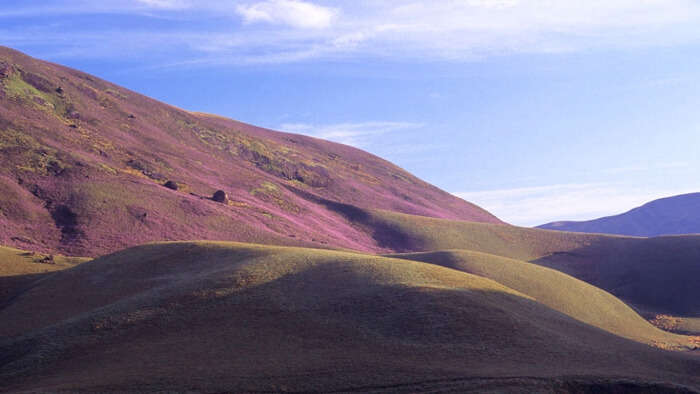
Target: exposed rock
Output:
{"points": [[171, 185], [220, 196], [46, 260], [4, 70]]}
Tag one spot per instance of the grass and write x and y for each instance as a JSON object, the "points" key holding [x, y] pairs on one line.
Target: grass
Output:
{"points": [[558, 291], [14, 262], [17, 88], [658, 274], [268, 191], [20, 269], [29, 154], [498, 239], [216, 316]]}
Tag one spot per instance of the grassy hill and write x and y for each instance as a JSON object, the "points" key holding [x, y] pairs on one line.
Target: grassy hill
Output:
{"points": [[85, 163], [666, 216], [659, 275], [558, 291], [238, 317]]}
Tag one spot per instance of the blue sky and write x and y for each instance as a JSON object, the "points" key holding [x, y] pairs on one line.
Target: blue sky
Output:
{"points": [[537, 110]]}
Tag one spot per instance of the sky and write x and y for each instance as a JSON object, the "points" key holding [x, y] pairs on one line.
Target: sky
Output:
{"points": [[536, 110]]}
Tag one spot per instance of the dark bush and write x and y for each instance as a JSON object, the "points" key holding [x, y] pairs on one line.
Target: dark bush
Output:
{"points": [[171, 185]]}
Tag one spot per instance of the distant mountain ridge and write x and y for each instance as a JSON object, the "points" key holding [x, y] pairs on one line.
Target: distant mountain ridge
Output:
{"points": [[88, 167], [666, 216]]}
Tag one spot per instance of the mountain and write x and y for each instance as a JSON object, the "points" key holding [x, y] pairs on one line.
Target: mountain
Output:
{"points": [[665, 216], [230, 317], [88, 168]]}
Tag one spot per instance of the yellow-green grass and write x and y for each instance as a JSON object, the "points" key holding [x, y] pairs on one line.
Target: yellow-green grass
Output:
{"points": [[429, 234], [225, 267], [215, 316], [659, 274], [15, 262], [19, 269], [560, 292]]}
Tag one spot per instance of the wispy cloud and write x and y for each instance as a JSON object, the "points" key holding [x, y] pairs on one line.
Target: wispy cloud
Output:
{"points": [[295, 13], [531, 206], [355, 134], [455, 30]]}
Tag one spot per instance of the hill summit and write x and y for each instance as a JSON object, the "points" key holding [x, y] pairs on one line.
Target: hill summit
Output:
{"points": [[666, 216]]}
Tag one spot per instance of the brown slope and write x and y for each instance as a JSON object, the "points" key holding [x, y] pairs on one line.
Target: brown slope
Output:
{"points": [[222, 317], [84, 162]]}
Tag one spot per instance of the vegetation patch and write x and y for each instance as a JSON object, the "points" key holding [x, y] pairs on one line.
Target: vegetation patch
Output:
{"points": [[270, 192], [37, 91], [116, 94], [137, 166], [30, 155], [108, 169]]}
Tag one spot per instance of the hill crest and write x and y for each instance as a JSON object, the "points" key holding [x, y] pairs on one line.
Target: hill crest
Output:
{"points": [[673, 215]]}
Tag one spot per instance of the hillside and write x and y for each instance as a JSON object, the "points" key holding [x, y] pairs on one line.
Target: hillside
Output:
{"points": [[84, 164], [665, 216], [19, 269], [558, 291], [224, 317], [655, 275]]}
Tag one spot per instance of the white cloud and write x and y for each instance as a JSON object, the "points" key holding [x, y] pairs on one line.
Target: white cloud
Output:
{"points": [[355, 134], [532, 206], [295, 13], [274, 31]]}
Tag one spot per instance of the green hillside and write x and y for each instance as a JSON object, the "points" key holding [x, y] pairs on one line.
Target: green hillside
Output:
{"points": [[237, 317], [558, 291], [652, 274]]}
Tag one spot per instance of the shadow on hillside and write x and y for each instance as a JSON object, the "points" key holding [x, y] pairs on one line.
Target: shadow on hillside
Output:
{"points": [[367, 336], [13, 286], [386, 235], [660, 274]]}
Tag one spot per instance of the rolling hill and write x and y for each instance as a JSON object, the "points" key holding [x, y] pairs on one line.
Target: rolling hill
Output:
{"points": [[215, 317], [87, 168], [666, 216], [558, 291], [655, 275]]}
